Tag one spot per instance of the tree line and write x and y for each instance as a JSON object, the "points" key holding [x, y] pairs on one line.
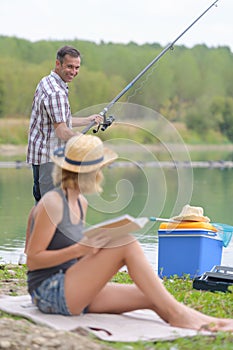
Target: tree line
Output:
{"points": [[187, 85]]}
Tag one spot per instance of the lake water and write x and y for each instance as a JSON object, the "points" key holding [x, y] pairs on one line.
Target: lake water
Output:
{"points": [[136, 190]]}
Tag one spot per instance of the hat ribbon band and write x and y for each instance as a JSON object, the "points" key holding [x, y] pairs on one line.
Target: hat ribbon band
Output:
{"points": [[88, 162]]}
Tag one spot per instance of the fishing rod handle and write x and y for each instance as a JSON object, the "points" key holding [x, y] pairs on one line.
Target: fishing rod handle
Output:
{"points": [[88, 127], [93, 123]]}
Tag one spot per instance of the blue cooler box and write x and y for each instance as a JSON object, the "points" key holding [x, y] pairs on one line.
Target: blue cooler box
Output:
{"points": [[188, 248]]}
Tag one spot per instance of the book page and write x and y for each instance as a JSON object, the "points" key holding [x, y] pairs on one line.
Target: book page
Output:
{"points": [[117, 227]]}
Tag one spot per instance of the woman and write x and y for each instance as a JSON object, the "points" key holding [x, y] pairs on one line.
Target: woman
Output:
{"points": [[69, 274]]}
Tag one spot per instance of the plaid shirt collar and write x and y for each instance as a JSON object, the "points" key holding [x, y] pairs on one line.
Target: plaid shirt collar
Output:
{"points": [[60, 81]]}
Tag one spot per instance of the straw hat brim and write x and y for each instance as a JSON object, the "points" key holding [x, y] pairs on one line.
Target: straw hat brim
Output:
{"points": [[191, 218], [109, 157]]}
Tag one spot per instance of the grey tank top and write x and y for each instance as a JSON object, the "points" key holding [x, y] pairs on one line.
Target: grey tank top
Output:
{"points": [[66, 234]]}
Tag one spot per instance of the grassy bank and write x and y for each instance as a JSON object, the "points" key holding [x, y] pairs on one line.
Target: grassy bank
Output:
{"points": [[13, 282], [14, 131]]}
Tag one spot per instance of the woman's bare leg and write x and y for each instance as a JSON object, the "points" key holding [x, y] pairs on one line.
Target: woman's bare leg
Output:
{"points": [[114, 298], [86, 284]]}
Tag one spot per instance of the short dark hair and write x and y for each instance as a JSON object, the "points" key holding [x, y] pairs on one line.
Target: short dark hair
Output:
{"points": [[67, 50]]}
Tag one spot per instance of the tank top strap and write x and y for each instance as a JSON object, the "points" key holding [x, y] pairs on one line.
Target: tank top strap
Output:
{"points": [[65, 215], [66, 207], [81, 209]]}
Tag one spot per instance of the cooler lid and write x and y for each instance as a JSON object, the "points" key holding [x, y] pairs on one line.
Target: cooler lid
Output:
{"points": [[194, 225]]}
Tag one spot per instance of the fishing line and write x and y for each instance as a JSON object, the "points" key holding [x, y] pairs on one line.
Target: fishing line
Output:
{"points": [[143, 82], [147, 77], [108, 120]]}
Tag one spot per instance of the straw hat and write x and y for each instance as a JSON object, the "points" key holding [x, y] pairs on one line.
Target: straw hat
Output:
{"points": [[83, 154], [190, 213]]}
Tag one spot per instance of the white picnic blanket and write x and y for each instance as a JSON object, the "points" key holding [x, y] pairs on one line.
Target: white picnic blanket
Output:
{"points": [[141, 325]]}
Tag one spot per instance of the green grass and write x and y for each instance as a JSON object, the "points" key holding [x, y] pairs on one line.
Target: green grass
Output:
{"points": [[13, 275], [15, 131], [216, 304]]}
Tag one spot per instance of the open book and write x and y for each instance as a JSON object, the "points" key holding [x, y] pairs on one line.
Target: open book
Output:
{"points": [[117, 227]]}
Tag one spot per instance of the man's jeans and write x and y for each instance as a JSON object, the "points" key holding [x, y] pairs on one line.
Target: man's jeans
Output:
{"points": [[42, 179]]}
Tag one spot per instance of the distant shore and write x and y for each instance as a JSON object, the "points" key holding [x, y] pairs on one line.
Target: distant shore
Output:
{"points": [[9, 150], [12, 156]]}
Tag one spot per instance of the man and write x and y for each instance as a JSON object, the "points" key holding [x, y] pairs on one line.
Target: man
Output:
{"points": [[51, 120]]}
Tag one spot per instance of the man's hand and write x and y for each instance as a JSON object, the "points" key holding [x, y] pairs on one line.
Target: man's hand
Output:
{"points": [[78, 121], [95, 117]]}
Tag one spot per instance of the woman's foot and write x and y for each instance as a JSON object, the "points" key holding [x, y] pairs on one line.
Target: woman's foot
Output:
{"points": [[192, 319]]}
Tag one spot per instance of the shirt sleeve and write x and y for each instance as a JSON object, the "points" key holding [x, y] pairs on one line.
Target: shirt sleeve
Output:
{"points": [[57, 107]]}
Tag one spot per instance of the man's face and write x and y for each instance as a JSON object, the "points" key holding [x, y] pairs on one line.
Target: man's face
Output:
{"points": [[69, 68]]}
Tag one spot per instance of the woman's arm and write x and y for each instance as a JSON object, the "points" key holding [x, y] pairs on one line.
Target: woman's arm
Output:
{"points": [[28, 229], [48, 215]]}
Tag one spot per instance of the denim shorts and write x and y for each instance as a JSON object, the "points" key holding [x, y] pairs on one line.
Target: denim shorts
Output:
{"points": [[49, 297]]}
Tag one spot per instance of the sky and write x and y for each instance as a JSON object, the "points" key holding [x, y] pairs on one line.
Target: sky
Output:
{"points": [[119, 21]]}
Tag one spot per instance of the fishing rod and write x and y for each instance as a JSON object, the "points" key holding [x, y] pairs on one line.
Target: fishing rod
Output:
{"points": [[108, 120]]}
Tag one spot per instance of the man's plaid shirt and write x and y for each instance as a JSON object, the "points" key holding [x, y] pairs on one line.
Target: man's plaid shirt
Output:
{"points": [[50, 105]]}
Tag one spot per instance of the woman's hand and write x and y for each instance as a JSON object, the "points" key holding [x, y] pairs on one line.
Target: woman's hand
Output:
{"points": [[91, 245]]}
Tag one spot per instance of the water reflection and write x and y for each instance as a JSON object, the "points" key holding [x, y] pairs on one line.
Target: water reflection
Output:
{"points": [[211, 188], [149, 244]]}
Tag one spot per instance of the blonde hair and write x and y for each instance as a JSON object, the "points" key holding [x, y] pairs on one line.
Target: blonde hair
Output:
{"points": [[87, 183]]}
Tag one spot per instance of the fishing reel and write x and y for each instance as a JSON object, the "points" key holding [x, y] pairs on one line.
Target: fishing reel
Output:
{"points": [[106, 123]]}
